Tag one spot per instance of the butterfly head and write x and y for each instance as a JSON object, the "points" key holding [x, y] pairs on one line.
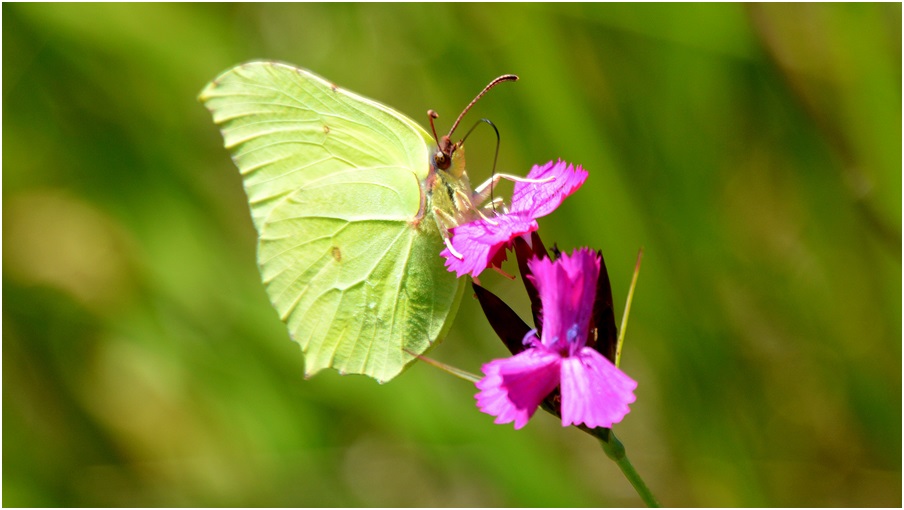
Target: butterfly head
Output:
{"points": [[442, 159], [445, 156], [449, 156]]}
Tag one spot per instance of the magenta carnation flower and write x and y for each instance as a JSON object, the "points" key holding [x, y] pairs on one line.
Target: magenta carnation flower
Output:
{"points": [[482, 243], [593, 391]]}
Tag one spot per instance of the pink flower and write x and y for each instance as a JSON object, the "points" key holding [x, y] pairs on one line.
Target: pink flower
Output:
{"points": [[594, 392], [482, 243]]}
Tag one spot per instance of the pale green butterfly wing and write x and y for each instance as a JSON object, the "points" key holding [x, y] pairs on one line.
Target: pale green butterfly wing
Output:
{"points": [[348, 246]]}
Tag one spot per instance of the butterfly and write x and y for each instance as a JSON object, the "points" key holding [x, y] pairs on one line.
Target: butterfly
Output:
{"points": [[352, 202]]}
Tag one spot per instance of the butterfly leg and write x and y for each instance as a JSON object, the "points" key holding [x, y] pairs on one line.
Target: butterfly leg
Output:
{"points": [[496, 202], [487, 186], [482, 192], [446, 222], [464, 204]]}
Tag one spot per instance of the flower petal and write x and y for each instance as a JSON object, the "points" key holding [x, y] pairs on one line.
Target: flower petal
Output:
{"points": [[514, 387], [567, 289], [594, 391], [540, 199], [480, 241]]}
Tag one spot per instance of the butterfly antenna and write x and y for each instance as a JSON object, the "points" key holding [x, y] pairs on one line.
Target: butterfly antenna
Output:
{"points": [[495, 156], [433, 115], [497, 81]]}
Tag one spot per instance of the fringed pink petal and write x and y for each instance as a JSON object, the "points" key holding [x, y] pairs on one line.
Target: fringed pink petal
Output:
{"points": [[567, 290], [594, 391], [514, 387], [540, 199], [480, 241]]}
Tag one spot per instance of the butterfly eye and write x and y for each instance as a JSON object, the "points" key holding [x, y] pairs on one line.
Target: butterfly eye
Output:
{"points": [[441, 160]]}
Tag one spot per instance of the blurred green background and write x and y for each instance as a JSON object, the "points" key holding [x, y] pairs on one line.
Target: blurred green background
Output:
{"points": [[753, 151]]}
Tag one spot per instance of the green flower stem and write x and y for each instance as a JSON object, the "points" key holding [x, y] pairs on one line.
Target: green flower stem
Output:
{"points": [[615, 450]]}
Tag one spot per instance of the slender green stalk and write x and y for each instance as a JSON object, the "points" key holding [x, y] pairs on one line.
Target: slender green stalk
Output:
{"points": [[624, 321], [631, 474], [615, 450], [449, 369]]}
